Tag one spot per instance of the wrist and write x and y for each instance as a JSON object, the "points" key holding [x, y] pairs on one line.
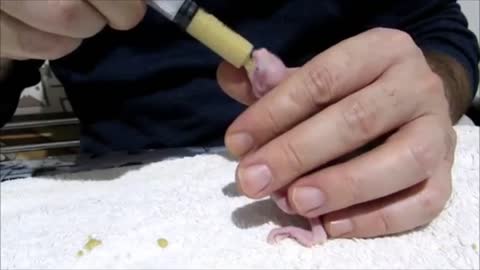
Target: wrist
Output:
{"points": [[457, 86]]}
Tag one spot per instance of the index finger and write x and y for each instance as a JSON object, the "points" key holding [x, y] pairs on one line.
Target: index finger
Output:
{"points": [[332, 75]]}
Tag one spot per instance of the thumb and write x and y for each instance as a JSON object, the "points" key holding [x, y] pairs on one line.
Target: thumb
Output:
{"points": [[235, 83], [247, 88]]}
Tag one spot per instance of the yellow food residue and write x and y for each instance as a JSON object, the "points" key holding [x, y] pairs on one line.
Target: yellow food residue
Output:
{"points": [[163, 243], [92, 243], [89, 246], [475, 247]]}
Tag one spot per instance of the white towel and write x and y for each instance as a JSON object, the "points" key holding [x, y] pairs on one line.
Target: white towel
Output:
{"points": [[193, 204]]}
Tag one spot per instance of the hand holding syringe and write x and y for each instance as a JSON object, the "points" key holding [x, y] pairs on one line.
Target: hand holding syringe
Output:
{"points": [[33, 29], [49, 30]]}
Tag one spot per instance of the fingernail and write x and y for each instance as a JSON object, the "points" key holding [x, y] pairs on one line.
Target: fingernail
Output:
{"points": [[308, 199], [255, 179], [282, 203], [340, 227], [239, 143]]}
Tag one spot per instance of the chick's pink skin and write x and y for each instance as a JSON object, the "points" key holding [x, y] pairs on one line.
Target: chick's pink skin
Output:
{"points": [[268, 73], [315, 236]]}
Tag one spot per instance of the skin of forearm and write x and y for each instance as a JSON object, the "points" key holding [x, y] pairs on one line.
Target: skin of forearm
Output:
{"points": [[455, 80]]}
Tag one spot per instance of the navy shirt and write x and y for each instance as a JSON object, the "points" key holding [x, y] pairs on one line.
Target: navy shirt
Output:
{"points": [[154, 86]]}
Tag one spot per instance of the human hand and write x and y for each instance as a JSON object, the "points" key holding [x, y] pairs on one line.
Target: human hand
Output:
{"points": [[293, 141], [48, 30]]}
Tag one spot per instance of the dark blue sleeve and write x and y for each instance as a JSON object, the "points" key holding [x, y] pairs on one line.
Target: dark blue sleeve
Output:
{"points": [[20, 75], [435, 25], [446, 31]]}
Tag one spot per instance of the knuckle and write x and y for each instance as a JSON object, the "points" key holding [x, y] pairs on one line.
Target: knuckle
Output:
{"points": [[66, 13], [75, 19], [133, 18], [360, 119], [274, 123], [425, 156], [450, 141], [379, 31], [432, 91], [452, 135], [452, 138], [400, 38], [319, 85], [293, 157], [433, 84], [351, 183]]}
